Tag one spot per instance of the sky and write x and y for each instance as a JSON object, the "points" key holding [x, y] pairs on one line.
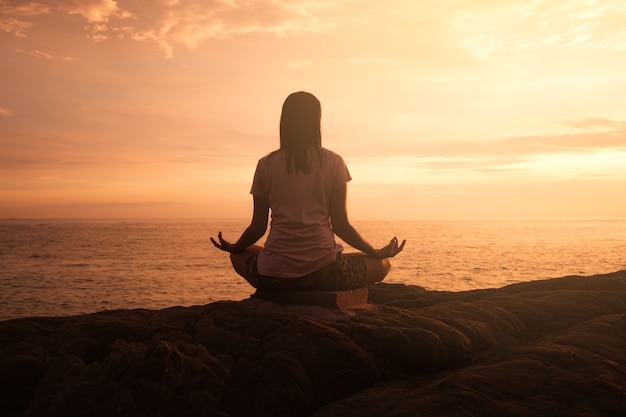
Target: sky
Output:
{"points": [[442, 109]]}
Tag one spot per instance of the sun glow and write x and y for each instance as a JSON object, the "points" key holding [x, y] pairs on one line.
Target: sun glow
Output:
{"points": [[597, 163]]}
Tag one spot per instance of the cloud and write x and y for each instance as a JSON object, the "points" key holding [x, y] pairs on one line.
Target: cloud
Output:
{"points": [[596, 134], [525, 28], [4, 112], [99, 15], [520, 155], [21, 9], [190, 22], [92, 10], [17, 17], [13, 16], [586, 154], [597, 123], [487, 28], [581, 155], [187, 23], [45, 55], [15, 26]]}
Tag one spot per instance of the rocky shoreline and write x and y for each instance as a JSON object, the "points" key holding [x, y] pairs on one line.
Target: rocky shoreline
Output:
{"points": [[552, 347]]}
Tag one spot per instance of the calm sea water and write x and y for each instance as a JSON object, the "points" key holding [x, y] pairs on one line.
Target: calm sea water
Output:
{"points": [[60, 267]]}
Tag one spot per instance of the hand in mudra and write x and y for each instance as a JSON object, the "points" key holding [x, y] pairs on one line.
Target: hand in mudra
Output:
{"points": [[223, 244], [392, 249]]}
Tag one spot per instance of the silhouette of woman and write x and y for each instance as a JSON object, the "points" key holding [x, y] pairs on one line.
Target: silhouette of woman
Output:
{"points": [[305, 187]]}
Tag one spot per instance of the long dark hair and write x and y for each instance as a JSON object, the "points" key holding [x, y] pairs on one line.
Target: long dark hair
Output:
{"points": [[300, 130]]}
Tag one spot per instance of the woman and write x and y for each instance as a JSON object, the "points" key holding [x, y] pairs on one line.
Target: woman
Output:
{"points": [[305, 186]]}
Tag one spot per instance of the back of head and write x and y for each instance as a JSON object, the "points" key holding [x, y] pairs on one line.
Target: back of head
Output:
{"points": [[300, 129]]}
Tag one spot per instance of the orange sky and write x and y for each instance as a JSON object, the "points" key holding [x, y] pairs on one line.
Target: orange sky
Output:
{"points": [[443, 109]]}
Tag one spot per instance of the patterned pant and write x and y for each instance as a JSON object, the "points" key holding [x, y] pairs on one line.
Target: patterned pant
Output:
{"points": [[345, 273]]}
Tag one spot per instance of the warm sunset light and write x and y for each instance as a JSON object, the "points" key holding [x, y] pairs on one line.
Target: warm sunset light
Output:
{"points": [[442, 110]]}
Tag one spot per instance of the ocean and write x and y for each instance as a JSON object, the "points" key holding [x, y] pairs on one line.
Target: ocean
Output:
{"points": [[70, 267]]}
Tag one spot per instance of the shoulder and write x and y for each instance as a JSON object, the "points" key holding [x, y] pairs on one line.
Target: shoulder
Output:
{"points": [[330, 155], [269, 157], [336, 165]]}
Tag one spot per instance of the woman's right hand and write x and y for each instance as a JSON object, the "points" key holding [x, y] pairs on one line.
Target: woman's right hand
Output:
{"points": [[392, 249], [223, 244]]}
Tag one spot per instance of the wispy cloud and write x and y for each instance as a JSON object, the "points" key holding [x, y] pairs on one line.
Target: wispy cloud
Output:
{"points": [[598, 123], [485, 29], [4, 112], [182, 23], [575, 24], [92, 10], [593, 134], [50, 56], [17, 8], [613, 136], [14, 26], [590, 153], [13, 16], [593, 153], [190, 22]]}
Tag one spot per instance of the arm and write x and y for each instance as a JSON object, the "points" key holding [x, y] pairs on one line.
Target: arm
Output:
{"points": [[252, 234], [341, 225], [342, 228], [257, 227]]}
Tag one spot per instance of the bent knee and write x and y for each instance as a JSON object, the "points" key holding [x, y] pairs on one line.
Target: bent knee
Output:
{"points": [[239, 262], [385, 267], [376, 269], [386, 264]]}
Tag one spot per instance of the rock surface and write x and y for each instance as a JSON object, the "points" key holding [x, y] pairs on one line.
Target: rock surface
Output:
{"points": [[554, 347]]}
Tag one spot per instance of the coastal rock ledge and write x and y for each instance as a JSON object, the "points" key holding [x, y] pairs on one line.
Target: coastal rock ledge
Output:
{"points": [[545, 348]]}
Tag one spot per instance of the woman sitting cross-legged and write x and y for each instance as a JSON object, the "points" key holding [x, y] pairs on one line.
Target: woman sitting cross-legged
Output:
{"points": [[304, 185]]}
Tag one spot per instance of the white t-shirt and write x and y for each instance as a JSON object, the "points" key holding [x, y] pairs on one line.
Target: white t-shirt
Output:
{"points": [[301, 240]]}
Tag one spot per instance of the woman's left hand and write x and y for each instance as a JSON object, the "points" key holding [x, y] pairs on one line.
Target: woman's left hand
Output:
{"points": [[223, 244], [392, 249]]}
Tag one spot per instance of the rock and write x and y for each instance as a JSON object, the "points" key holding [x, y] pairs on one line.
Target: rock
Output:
{"points": [[553, 347]]}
